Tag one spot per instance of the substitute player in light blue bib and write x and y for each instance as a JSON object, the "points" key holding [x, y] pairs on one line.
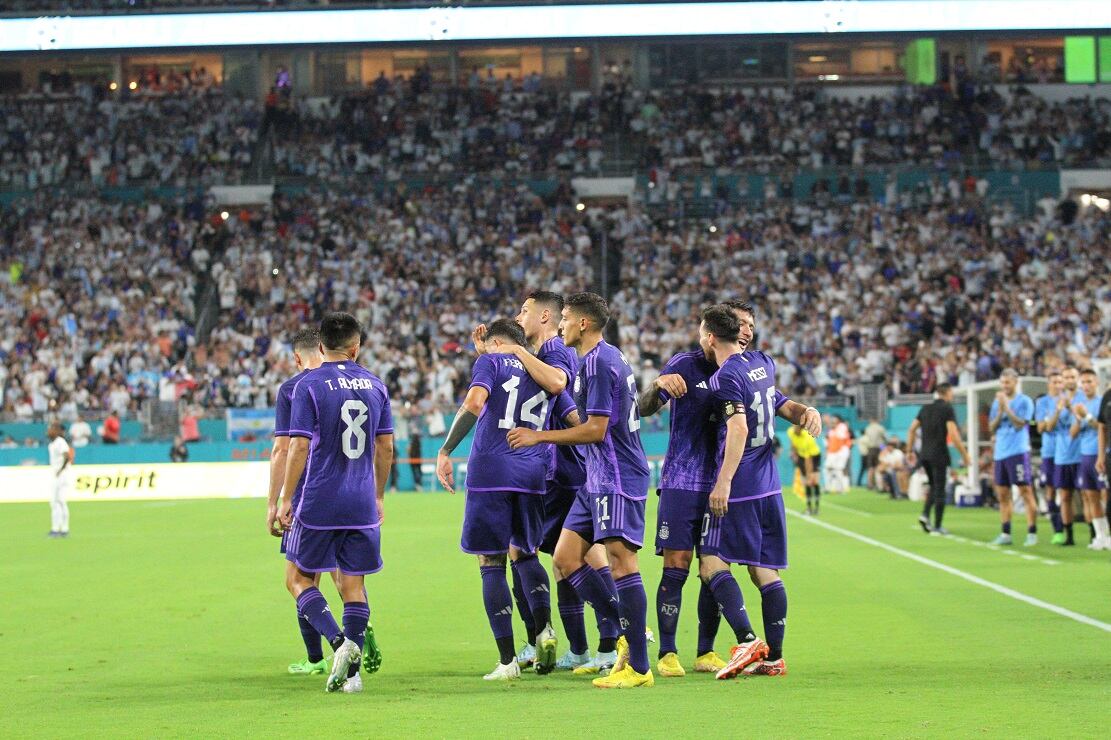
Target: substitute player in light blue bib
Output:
{"points": [[1066, 452], [1045, 414], [1085, 416], [1009, 418]]}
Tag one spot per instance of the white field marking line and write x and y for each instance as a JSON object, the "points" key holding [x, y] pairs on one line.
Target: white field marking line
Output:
{"points": [[1010, 592], [998, 549], [849, 509]]}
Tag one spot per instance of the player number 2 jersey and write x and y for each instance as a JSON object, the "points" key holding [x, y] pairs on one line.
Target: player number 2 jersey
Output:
{"points": [[515, 401], [342, 407], [748, 380], [605, 386]]}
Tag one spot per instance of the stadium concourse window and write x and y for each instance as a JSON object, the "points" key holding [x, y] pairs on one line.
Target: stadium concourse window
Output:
{"points": [[689, 63], [1024, 61], [865, 61]]}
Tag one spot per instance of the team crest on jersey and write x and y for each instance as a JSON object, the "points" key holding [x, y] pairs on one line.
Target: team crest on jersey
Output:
{"points": [[664, 531], [578, 383], [757, 374]]}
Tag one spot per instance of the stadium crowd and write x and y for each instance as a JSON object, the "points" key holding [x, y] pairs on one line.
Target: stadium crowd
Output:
{"points": [[100, 299], [184, 130]]}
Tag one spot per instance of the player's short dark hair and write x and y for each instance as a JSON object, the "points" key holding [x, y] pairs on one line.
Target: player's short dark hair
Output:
{"points": [[339, 330], [506, 329], [737, 304], [721, 321], [306, 340], [547, 298], [1088, 371], [590, 305], [942, 388]]}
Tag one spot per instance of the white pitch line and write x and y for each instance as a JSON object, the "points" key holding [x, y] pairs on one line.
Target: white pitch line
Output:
{"points": [[849, 509], [1009, 592], [996, 548]]}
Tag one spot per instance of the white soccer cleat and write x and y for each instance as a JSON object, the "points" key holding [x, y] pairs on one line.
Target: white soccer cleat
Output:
{"points": [[526, 656], [600, 665], [570, 661], [504, 672], [354, 684], [546, 644], [347, 655]]}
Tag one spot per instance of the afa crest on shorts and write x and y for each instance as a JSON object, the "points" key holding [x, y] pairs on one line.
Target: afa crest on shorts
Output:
{"points": [[578, 383], [664, 531]]}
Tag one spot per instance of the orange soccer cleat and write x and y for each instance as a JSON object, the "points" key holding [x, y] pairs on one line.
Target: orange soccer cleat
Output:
{"points": [[743, 655], [767, 668]]}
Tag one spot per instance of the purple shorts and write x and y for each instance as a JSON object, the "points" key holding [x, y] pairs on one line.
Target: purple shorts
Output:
{"points": [[679, 519], [283, 548], [752, 532], [605, 516], [1013, 470], [1087, 479], [356, 552], [1064, 476], [494, 520], [557, 503], [1045, 479]]}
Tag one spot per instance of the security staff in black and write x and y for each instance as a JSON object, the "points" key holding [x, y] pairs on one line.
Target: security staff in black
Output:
{"points": [[938, 423]]}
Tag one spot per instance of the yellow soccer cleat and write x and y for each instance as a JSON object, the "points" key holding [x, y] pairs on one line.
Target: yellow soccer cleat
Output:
{"points": [[601, 664], [626, 678], [709, 662], [670, 667]]}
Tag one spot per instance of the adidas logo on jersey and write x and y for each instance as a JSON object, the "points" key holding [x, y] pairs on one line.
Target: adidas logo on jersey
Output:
{"points": [[703, 386]]}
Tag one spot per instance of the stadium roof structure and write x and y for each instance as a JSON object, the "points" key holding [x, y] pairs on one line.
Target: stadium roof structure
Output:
{"points": [[545, 22]]}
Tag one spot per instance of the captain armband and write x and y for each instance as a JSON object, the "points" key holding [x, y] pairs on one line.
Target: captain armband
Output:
{"points": [[731, 408]]}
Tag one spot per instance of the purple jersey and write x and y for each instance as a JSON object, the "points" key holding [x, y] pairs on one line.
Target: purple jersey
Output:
{"points": [[282, 408], [567, 467], [605, 386], [691, 460], [515, 401], [342, 407], [747, 380]]}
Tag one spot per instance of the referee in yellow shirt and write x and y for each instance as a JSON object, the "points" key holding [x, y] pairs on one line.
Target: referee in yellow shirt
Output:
{"points": [[808, 457]]}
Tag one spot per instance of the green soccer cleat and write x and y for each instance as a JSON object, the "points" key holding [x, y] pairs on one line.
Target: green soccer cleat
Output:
{"points": [[308, 668], [372, 655], [1058, 538]]}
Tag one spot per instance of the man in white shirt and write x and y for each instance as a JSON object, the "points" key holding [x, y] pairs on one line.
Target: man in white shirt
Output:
{"points": [[61, 467], [80, 432]]}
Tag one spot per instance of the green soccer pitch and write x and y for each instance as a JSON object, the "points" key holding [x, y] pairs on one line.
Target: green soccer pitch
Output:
{"points": [[171, 619]]}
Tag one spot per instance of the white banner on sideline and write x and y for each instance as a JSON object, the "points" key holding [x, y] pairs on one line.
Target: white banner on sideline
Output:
{"points": [[139, 482]]}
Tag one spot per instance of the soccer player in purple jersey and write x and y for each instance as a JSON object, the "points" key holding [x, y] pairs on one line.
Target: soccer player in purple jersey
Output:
{"points": [[610, 507], [341, 439], [746, 522], [553, 367], [306, 355], [505, 487], [688, 474]]}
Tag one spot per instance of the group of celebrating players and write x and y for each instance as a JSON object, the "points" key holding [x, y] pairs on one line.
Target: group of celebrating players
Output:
{"points": [[556, 466]]}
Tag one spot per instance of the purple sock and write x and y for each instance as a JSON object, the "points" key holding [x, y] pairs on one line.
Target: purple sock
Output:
{"points": [[633, 603], [571, 614], [499, 604], [356, 616], [537, 590], [669, 599], [591, 588], [709, 617], [312, 639], [522, 603], [728, 594], [607, 628], [312, 604], [1055, 516], [774, 597]]}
